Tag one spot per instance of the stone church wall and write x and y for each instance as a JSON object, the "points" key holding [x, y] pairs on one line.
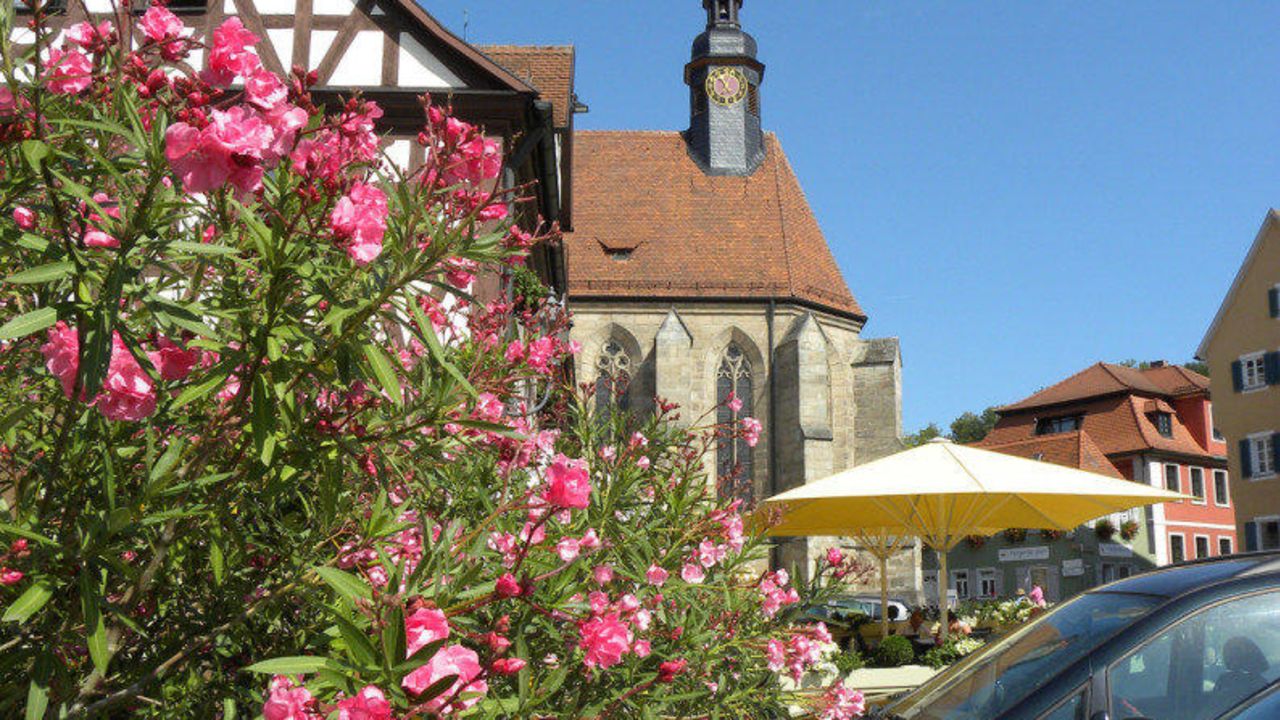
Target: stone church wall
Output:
{"points": [[838, 396]]}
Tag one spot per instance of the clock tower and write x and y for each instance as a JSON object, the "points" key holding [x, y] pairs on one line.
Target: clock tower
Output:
{"points": [[723, 76]]}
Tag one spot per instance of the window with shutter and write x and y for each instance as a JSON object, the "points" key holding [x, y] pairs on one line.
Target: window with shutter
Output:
{"points": [[1253, 371], [1246, 458], [1251, 536], [1237, 376], [1273, 368], [1273, 296]]}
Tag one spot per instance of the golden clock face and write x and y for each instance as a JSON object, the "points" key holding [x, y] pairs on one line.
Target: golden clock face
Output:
{"points": [[726, 86]]}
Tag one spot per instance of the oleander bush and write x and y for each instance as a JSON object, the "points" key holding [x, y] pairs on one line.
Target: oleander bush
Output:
{"points": [[264, 452]]}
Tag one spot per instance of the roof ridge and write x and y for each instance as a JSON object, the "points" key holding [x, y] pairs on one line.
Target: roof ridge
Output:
{"points": [[782, 221]]}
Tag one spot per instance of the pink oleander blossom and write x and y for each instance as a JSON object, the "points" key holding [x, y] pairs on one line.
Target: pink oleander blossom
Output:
{"points": [[605, 640], [360, 220], [465, 692], [285, 701], [230, 149], [62, 355], [656, 576], [8, 104], [171, 361], [423, 627], [751, 428], [368, 704], [86, 35], [841, 702], [9, 576], [128, 394], [568, 549], [231, 54], [568, 483], [692, 573], [23, 215], [68, 72], [163, 27]]}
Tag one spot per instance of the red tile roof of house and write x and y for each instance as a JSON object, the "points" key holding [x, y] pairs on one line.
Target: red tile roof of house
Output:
{"points": [[1073, 449], [1117, 423], [547, 68], [649, 223], [1106, 379]]}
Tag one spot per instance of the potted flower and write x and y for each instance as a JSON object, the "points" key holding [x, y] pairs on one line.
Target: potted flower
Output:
{"points": [[1015, 535], [1128, 530], [976, 541], [1104, 529], [1051, 535]]}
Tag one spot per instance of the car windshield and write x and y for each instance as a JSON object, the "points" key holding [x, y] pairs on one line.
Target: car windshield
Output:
{"points": [[1000, 676]]}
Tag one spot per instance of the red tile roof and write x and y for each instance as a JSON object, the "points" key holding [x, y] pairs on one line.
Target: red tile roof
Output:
{"points": [[547, 68], [690, 234], [1118, 424], [1106, 379], [1074, 449]]}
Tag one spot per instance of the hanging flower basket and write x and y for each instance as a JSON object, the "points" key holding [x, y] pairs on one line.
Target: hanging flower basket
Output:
{"points": [[1105, 529], [1051, 535], [1128, 530], [976, 541], [1015, 535]]}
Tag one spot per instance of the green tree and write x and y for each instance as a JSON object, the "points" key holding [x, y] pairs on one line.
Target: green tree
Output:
{"points": [[970, 428], [922, 435]]}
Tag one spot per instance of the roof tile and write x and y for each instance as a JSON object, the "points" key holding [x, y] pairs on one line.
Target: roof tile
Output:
{"points": [[547, 68]]}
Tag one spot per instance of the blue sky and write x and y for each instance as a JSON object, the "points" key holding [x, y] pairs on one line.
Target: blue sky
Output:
{"points": [[1014, 189]]}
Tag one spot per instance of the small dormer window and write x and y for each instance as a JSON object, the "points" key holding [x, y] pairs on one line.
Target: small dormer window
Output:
{"points": [[619, 254], [1053, 426], [1164, 423], [50, 6]]}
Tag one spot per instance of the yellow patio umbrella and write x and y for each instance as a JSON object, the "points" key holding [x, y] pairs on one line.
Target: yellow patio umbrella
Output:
{"points": [[943, 492]]}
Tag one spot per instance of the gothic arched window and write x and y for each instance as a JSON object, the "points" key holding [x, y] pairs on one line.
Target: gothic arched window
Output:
{"points": [[733, 455], [613, 375]]}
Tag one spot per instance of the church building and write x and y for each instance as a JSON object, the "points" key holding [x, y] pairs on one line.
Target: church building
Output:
{"points": [[696, 269]]}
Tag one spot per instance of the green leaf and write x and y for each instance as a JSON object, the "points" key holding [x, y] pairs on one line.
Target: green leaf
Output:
{"points": [[295, 665], [191, 393], [29, 602], [202, 248], [264, 420], [428, 332], [216, 560], [38, 690], [34, 151], [28, 323], [228, 709], [385, 374], [394, 642], [42, 273], [95, 629], [22, 532], [357, 641], [165, 464], [345, 584]]}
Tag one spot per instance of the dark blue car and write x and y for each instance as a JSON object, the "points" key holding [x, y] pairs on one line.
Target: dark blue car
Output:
{"points": [[1196, 641]]}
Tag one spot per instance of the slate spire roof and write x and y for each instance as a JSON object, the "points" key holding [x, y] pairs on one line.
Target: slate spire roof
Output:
{"points": [[649, 223]]}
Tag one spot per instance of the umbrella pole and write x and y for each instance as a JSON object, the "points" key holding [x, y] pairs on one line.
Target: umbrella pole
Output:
{"points": [[942, 595], [884, 597]]}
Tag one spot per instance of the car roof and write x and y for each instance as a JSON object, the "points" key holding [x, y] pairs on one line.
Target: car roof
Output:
{"points": [[1182, 578]]}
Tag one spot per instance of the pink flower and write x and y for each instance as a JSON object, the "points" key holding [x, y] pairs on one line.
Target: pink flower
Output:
{"points": [[264, 90], [751, 428], [85, 34], [709, 554], [9, 576], [8, 106], [507, 586], [423, 627], [841, 702], [605, 639], [598, 601], [507, 666], [368, 704], [23, 215], [669, 670], [775, 653], [162, 26], [127, 392], [1036, 596], [603, 574], [62, 355], [68, 72], [230, 148], [735, 402], [232, 53], [834, 556], [465, 692], [568, 483], [692, 573], [95, 238], [360, 220], [642, 648], [656, 576], [568, 549], [171, 361], [287, 702], [590, 540]]}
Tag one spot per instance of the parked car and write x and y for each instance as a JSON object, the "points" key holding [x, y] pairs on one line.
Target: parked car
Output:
{"points": [[854, 620], [869, 605], [1196, 641]]}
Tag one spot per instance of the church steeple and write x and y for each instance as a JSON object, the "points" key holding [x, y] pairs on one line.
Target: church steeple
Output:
{"points": [[724, 136]]}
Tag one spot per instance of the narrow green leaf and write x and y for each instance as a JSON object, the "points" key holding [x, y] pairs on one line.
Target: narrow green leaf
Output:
{"points": [[228, 709], [191, 393], [201, 248], [394, 642], [42, 273], [296, 665], [38, 690], [216, 560], [357, 640], [263, 413], [34, 151], [167, 461], [428, 332], [29, 602], [28, 323], [22, 532], [95, 630], [385, 374], [347, 585]]}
